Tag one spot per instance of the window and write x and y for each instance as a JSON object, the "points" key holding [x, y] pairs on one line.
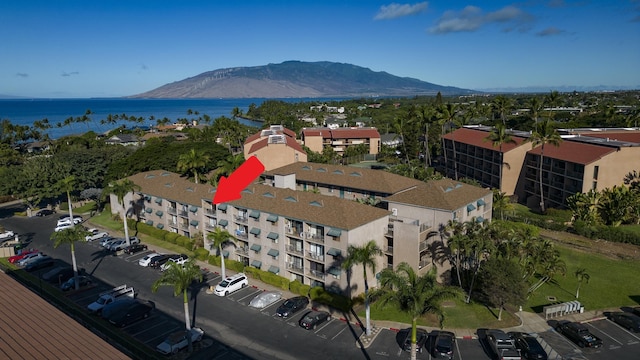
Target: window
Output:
{"points": [[595, 172]]}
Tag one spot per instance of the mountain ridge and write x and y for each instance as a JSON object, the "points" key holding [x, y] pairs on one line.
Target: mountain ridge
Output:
{"points": [[298, 79]]}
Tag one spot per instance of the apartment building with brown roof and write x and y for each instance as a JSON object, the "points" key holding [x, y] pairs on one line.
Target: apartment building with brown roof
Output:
{"points": [[586, 159], [304, 235], [341, 138]]}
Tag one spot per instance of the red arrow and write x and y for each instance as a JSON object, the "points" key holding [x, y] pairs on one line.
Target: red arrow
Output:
{"points": [[229, 188]]}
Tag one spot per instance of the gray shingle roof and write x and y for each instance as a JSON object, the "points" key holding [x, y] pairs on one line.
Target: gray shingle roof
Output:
{"points": [[445, 194], [321, 209], [378, 181]]}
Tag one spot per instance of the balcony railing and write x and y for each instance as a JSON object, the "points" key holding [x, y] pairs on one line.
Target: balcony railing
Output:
{"points": [[295, 267], [173, 223], [240, 218], [313, 237], [315, 256], [389, 249], [242, 250], [210, 212], [209, 226], [424, 263], [241, 234], [172, 210], [317, 274], [423, 245], [183, 213], [293, 249]]}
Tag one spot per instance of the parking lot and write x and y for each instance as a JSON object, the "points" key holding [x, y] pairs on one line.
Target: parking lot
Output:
{"points": [[233, 330]]}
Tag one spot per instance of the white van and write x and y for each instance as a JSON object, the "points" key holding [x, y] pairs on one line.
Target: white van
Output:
{"points": [[231, 284]]}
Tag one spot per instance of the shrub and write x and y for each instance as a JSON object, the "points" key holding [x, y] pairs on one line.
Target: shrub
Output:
{"points": [[235, 265], [170, 237], [214, 260], [299, 288], [201, 254], [336, 301]]}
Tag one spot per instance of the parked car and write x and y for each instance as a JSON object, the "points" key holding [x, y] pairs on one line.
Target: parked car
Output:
{"points": [[29, 258], [66, 216], [7, 234], [636, 310], [265, 299], [175, 259], [105, 240], [292, 305], [529, 346], [77, 219], [15, 258], [62, 227], [179, 340], [231, 284], [107, 244], [444, 345], [421, 339], [116, 306], [40, 263], [58, 275], [137, 310], [45, 212], [579, 334], [157, 261], [95, 234], [145, 261], [312, 319], [627, 320], [134, 248], [70, 284]]}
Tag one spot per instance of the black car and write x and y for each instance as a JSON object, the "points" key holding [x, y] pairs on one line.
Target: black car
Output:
{"points": [[636, 310], [45, 212], [421, 339], [579, 334], [627, 320], [312, 319], [157, 261], [116, 306], [132, 312], [529, 346], [132, 249], [40, 263], [71, 285], [444, 345], [292, 305], [58, 275]]}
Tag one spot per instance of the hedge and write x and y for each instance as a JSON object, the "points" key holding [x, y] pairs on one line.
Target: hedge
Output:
{"points": [[299, 288], [201, 254], [267, 277], [334, 300]]}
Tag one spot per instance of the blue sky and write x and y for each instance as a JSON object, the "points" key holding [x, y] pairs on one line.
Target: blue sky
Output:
{"points": [[106, 48]]}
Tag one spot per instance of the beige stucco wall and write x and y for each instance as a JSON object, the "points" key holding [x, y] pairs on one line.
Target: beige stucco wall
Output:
{"points": [[314, 143], [513, 162], [274, 156], [612, 168]]}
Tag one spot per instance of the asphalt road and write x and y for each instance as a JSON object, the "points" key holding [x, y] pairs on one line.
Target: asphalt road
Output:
{"points": [[235, 331]]}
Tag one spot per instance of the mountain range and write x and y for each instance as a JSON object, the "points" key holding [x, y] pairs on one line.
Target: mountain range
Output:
{"points": [[298, 79]]}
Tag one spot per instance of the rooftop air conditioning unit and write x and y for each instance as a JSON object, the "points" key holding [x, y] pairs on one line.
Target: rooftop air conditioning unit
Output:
{"points": [[394, 211]]}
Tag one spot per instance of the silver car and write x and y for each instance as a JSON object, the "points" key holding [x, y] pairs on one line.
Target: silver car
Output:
{"points": [[265, 299]]}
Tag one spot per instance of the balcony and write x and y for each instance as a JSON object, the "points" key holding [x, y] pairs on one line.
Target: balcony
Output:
{"points": [[293, 249], [242, 250], [389, 249], [423, 245], [209, 212], [240, 218], [314, 237], [424, 263], [295, 267], [209, 226], [315, 256], [317, 274], [172, 210], [183, 213], [173, 223], [241, 234]]}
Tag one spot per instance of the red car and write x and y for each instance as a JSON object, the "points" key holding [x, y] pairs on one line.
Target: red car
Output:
{"points": [[16, 258]]}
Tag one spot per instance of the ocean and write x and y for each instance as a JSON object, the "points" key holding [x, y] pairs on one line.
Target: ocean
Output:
{"points": [[26, 111]]}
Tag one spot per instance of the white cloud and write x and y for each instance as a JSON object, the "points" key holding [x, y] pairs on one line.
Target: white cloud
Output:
{"points": [[472, 18], [393, 10]]}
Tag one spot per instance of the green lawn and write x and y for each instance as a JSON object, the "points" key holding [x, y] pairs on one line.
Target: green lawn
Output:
{"points": [[613, 283]]}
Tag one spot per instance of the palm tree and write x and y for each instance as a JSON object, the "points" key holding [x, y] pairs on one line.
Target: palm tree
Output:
{"points": [[414, 295], [499, 137], [535, 106], [70, 236], [366, 256], [120, 189], [449, 115], [227, 166], [501, 203], [67, 185], [552, 100], [180, 277], [220, 238], [192, 162], [543, 134], [502, 104], [581, 275]]}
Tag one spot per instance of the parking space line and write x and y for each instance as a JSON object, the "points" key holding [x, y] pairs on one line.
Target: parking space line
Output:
{"points": [[253, 293], [609, 336], [564, 338], [627, 331], [147, 328], [270, 305], [343, 329], [457, 348], [163, 335], [325, 325]]}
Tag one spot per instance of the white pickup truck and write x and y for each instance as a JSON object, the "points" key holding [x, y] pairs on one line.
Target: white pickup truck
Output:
{"points": [[110, 296]]}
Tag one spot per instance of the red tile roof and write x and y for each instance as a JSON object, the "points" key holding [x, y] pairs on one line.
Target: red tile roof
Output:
{"points": [[292, 143], [477, 138], [632, 137], [574, 151]]}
